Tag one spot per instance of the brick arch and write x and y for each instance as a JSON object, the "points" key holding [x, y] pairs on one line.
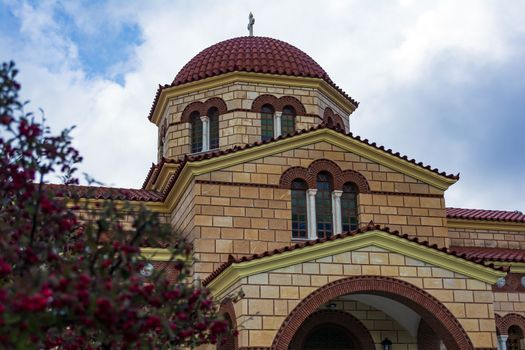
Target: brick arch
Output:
{"points": [[216, 102], [431, 310], [356, 178], [231, 343], [359, 333], [325, 165], [262, 100], [336, 119], [291, 101], [196, 106], [293, 173], [503, 323]]}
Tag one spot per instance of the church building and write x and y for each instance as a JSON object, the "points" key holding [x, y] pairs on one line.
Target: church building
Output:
{"points": [[336, 242]]}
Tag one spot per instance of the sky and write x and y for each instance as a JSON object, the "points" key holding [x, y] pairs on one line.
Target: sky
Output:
{"points": [[440, 81]]}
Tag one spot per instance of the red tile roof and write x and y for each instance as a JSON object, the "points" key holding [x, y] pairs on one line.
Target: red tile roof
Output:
{"points": [[483, 214], [370, 227], [100, 192], [491, 254], [250, 54]]}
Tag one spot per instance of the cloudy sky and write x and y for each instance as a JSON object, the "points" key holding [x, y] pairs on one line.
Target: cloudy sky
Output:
{"points": [[440, 81]]}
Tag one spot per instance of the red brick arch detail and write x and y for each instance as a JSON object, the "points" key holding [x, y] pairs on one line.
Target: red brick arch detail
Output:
{"points": [[262, 100], [293, 173], [358, 179], [203, 107], [352, 325], [332, 119], [431, 310], [325, 165], [231, 343], [291, 101], [503, 323]]}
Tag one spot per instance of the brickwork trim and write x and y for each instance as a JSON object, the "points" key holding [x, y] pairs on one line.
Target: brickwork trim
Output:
{"points": [[309, 175], [357, 331], [278, 103], [503, 323], [219, 282], [203, 107], [429, 308], [226, 308], [332, 119]]}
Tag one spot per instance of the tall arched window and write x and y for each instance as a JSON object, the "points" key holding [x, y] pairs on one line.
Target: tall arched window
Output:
{"points": [[288, 120], [213, 114], [515, 338], [349, 207], [299, 211], [323, 205], [267, 113], [196, 132]]}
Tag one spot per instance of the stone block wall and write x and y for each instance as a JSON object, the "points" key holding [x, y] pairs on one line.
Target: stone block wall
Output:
{"points": [[470, 237]]}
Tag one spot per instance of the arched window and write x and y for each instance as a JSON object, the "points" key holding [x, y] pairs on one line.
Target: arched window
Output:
{"points": [[349, 207], [323, 205], [196, 132], [515, 338], [299, 211], [288, 120], [267, 127], [213, 114]]}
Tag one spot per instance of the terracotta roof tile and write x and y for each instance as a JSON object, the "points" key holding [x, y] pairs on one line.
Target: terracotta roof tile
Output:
{"points": [[491, 254], [370, 227], [99, 192], [483, 214], [250, 54]]}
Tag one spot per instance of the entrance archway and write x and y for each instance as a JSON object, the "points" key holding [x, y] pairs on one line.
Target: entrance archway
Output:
{"points": [[331, 329], [431, 310]]}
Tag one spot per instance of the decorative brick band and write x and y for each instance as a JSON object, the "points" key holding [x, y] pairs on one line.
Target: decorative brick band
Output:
{"points": [[352, 326], [203, 107], [512, 284], [225, 183], [309, 175], [431, 310], [503, 323], [408, 194], [278, 103]]}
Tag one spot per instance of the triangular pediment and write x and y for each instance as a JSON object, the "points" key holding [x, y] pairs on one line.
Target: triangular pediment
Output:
{"points": [[234, 270]]}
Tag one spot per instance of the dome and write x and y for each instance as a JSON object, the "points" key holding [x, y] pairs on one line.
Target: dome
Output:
{"points": [[250, 54]]}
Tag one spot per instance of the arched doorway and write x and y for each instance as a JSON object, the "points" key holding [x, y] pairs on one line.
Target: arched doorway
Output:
{"points": [[331, 329], [431, 310]]}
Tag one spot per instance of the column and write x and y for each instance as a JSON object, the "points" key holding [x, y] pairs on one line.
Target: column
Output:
{"points": [[310, 210], [205, 133], [277, 130], [502, 342], [336, 211]]}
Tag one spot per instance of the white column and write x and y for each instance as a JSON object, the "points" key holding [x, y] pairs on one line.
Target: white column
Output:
{"points": [[277, 130], [205, 133], [336, 211], [310, 210], [502, 342]]}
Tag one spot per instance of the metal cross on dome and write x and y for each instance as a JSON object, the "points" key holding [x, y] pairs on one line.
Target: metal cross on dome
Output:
{"points": [[251, 22]]}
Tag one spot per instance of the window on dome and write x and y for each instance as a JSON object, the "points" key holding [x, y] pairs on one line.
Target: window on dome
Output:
{"points": [[349, 207], [323, 205], [288, 120], [196, 132], [267, 112], [213, 115], [299, 209]]}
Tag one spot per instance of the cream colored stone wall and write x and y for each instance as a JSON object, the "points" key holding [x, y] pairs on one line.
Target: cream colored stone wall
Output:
{"points": [[487, 238], [506, 303], [183, 216], [270, 297], [240, 126]]}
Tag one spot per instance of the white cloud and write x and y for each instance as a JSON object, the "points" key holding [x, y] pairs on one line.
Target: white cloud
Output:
{"points": [[377, 51]]}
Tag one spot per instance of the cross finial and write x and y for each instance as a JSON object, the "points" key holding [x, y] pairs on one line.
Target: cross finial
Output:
{"points": [[251, 22]]}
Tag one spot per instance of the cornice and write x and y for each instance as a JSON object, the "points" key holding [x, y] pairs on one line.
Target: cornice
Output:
{"points": [[250, 77], [220, 284], [486, 225]]}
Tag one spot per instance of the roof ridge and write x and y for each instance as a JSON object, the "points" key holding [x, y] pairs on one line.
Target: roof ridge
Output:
{"points": [[486, 214], [370, 227]]}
